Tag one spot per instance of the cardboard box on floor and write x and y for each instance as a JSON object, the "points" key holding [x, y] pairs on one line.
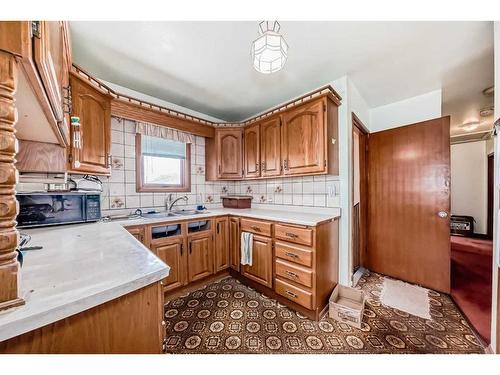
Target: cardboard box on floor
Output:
{"points": [[346, 305]]}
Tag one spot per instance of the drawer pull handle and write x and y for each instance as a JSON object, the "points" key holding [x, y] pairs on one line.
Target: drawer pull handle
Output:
{"points": [[291, 274], [291, 255], [256, 228], [293, 295], [293, 235]]}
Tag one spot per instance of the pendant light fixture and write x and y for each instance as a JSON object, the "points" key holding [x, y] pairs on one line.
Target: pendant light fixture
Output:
{"points": [[269, 50]]}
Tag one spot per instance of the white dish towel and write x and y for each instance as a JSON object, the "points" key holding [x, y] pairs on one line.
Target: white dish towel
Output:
{"points": [[246, 248]]}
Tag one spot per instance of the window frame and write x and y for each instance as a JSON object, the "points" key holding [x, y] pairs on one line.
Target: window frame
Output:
{"points": [[142, 187]]}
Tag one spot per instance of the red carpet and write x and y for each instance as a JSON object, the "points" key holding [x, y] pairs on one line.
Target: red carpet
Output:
{"points": [[471, 267]]}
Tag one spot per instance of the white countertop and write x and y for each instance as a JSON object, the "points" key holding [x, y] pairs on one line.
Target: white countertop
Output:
{"points": [[283, 216], [79, 267]]}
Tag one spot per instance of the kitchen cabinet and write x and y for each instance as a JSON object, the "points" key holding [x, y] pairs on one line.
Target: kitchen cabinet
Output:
{"points": [[172, 253], [270, 147], [200, 258], [93, 107], [304, 139], [261, 270], [234, 243], [224, 155], [138, 232], [221, 245], [251, 151]]}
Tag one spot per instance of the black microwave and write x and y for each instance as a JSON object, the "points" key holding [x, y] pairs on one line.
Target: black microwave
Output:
{"points": [[40, 209]]}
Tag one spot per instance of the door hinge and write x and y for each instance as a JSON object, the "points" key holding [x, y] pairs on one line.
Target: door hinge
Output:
{"points": [[35, 29], [67, 102]]}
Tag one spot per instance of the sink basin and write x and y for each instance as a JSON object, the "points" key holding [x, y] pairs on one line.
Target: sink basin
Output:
{"points": [[188, 212], [154, 215]]}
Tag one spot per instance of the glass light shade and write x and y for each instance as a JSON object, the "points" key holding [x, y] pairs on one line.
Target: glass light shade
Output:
{"points": [[269, 52]]}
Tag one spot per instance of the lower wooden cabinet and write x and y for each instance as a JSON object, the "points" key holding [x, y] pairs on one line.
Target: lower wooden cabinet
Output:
{"points": [[200, 258], [172, 254], [234, 243], [221, 245], [138, 233], [261, 270]]}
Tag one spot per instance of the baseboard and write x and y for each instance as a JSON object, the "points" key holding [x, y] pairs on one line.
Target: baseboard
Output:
{"points": [[175, 293]]}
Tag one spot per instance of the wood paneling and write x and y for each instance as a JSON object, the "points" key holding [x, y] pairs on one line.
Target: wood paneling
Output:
{"points": [[40, 157], [304, 139], [13, 37], [252, 151], [131, 111], [10, 294], [200, 257], [129, 324], [234, 243], [93, 108], [229, 153], [221, 250], [261, 270], [409, 183], [270, 143]]}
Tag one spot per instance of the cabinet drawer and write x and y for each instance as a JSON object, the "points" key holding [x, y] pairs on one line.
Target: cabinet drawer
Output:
{"points": [[255, 226], [297, 274], [293, 293], [293, 234], [294, 253]]}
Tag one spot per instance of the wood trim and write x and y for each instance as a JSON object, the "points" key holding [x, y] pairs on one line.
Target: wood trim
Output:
{"points": [[185, 172], [10, 294], [40, 157]]}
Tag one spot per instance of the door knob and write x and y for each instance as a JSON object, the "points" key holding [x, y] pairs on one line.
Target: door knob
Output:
{"points": [[443, 214]]}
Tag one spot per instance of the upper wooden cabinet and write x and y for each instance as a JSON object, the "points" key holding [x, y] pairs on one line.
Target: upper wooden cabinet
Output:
{"points": [[270, 147], [303, 139], [93, 109], [43, 49], [224, 155], [300, 140], [252, 151]]}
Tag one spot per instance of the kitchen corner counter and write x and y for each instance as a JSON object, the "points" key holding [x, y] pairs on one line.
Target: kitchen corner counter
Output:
{"points": [[79, 267]]}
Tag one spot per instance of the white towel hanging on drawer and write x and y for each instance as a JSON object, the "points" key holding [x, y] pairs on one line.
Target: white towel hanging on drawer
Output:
{"points": [[246, 248]]}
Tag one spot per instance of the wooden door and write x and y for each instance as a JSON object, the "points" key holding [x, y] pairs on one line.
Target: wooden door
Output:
{"points": [[303, 139], [172, 254], [252, 151], [261, 269], [229, 148], [409, 203], [200, 257], [94, 110], [51, 58], [234, 243], [270, 152], [221, 250]]}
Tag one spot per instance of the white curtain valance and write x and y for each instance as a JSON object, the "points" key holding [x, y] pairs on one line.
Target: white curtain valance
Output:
{"points": [[163, 132]]}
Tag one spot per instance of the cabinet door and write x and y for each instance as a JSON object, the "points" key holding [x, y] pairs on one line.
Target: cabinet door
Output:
{"points": [[94, 110], [172, 255], [270, 152], [303, 139], [138, 233], [50, 52], [261, 269], [252, 151], [234, 243], [221, 251], [200, 258], [229, 146]]}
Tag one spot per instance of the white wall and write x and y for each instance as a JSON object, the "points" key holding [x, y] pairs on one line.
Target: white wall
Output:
{"points": [[405, 112], [469, 179]]}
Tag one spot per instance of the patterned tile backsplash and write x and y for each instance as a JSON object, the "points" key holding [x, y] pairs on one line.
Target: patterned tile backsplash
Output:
{"points": [[119, 189], [119, 195]]}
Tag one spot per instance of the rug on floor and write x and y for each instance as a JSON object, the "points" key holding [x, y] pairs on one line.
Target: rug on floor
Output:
{"points": [[407, 297], [229, 317]]}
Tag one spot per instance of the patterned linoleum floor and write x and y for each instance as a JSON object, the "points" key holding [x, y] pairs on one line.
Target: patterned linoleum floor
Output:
{"points": [[229, 317]]}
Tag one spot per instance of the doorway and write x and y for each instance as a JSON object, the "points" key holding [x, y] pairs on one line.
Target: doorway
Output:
{"points": [[359, 194]]}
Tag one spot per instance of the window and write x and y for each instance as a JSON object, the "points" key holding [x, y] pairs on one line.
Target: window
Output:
{"points": [[162, 164]]}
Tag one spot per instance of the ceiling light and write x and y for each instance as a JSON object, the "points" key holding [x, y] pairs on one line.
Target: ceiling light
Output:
{"points": [[489, 91], [269, 50], [470, 126], [486, 111]]}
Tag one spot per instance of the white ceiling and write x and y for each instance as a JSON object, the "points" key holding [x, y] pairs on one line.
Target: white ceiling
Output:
{"points": [[206, 66]]}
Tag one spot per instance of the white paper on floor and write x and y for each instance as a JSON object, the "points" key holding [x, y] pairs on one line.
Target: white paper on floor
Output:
{"points": [[405, 297]]}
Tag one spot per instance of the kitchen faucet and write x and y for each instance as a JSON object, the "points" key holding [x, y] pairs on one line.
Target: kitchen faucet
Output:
{"points": [[169, 203]]}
